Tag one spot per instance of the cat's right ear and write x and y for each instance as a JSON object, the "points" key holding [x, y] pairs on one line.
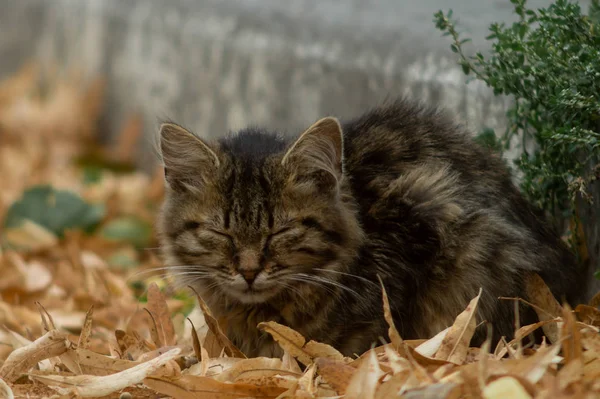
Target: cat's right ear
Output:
{"points": [[188, 161]]}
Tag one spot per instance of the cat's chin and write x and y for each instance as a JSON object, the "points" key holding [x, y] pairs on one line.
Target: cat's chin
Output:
{"points": [[250, 297]]}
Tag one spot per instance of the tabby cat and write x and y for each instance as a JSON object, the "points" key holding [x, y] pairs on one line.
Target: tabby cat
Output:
{"points": [[298, 231]]}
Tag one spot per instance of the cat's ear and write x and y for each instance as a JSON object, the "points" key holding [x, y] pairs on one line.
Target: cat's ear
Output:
{"points": [[189, 162], [318, 152]]}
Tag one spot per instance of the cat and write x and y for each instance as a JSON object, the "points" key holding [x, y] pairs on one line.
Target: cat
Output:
{"points": [[297, 231]]}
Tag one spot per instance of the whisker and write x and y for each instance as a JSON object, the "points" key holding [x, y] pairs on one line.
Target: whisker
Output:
{"points": [[168, 268], [312, 282], [325, 280], [349, 275]]}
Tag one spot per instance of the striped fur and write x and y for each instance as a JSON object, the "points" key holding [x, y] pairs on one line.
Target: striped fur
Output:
{"points": [[297, 231]]}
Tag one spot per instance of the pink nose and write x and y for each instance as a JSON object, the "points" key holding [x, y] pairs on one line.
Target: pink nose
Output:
{"points": [[249, 275], [249, 265]]}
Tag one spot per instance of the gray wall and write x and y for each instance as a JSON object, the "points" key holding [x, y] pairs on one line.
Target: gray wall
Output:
{"points": [[218, 65]]}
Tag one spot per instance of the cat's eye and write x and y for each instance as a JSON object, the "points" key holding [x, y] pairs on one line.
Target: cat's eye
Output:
{"points": [[220, 233], [191, 225], [280, 231]]}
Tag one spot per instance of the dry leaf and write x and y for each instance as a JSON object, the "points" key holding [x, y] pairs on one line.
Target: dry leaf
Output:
{"points": [[157, 305], [505, 387], [432, 345], [219, 336], [190, 386], [588, 314], [94, 386], [547, 307], [336, 373], [571, 347], [53, 343], [387, 314], [295, 344], [84, 336], [363, 383], [5, 391], [456, 342], [534, 367]]}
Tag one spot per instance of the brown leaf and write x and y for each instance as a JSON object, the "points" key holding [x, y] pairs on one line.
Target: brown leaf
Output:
{"points": [[439, 390], [588, 315], [195, 342], [534, 367], [84, 361], [250, 368], [336, 373], [295, 344], [53, 343], [395, 337], [546, 305], [365, 380], [219, 336], [157, 305], [5, 391], [528, 329], [94, 386], [195, 387], [86, 330], [571, 347], [456, 342], [505, 387]]}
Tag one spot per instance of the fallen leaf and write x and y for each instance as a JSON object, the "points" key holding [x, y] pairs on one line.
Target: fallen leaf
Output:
{"points": [[505, 387], [84, 336], [53, 343], [387, 314], [365, 380], [94, 386], [195, 387], [219, 336], [588, 314], [534, 367], [157, 305], [546, 305], [295, 344], [5, 391], [336, 373], [571, 344], [432, 345], [456, 342]]}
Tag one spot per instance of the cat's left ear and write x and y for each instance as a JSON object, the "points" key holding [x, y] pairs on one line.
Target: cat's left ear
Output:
{"points": [[319, 150]]}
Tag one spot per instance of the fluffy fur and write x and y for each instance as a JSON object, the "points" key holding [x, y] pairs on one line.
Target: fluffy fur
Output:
{"points": [[296, 231]]}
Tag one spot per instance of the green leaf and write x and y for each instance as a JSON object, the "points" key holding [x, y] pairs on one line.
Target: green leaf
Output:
{"points": [[56, 210], [128, 229]]}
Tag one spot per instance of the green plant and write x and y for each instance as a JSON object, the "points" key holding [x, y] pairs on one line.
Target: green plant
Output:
{"points": [[548, 61]]}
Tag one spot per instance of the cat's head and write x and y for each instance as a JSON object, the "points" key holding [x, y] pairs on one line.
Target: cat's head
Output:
{"points": [[252, 216]]}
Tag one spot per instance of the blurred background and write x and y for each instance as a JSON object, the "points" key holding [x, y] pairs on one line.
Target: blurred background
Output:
{"points": [[218, 65]]}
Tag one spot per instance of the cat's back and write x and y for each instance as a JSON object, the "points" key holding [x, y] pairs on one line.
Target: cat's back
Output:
{"points": [[434, 203], [401, 137]]}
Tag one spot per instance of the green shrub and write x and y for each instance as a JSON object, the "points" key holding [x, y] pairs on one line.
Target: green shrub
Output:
{"points": [[548, 61]]}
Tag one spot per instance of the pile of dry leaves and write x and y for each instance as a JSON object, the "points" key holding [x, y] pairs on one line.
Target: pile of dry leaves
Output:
{"points": [[84, 314]]}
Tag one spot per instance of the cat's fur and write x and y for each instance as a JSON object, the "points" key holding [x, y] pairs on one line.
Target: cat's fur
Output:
{"points": [[401, 192]]}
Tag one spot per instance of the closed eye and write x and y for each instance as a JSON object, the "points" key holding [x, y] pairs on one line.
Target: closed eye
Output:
{"points": [[280, 231], [191, 225], [194, 225], [222, 234]]}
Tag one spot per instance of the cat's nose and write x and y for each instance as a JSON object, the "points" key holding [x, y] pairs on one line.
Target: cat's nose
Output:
{"points": [[249, 275], [249, 265]]}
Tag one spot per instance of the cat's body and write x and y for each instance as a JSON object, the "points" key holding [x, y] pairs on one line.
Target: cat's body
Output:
{"points": [[412, 200]]}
